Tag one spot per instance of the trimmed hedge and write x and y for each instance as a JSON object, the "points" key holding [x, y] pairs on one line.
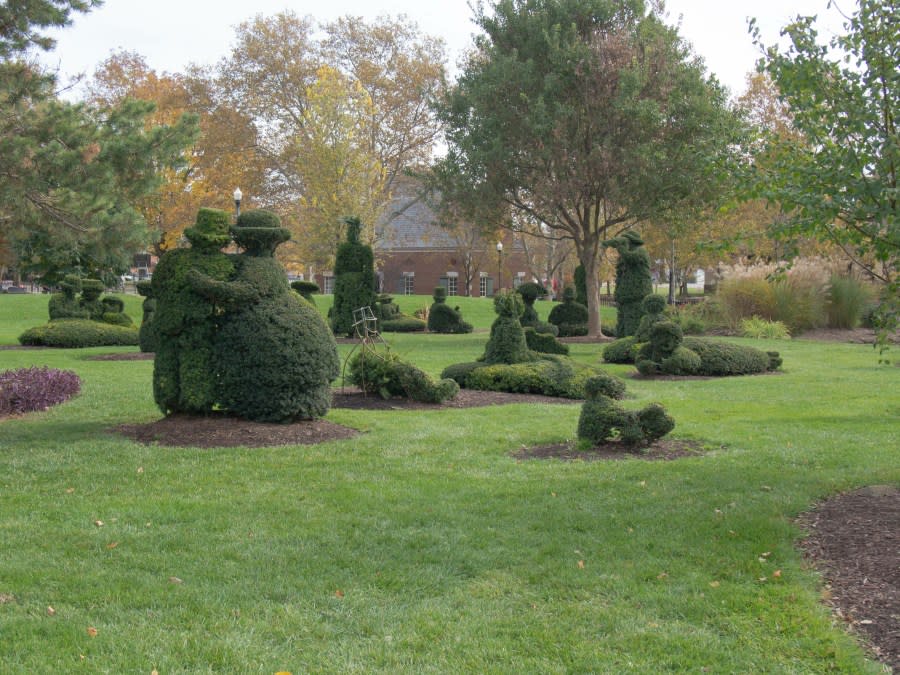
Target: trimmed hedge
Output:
{"points": [[459, 372], [73, 333], [724, 358], [387, 375], [407, 324], [550, 376], [621, 350], [29, 389]]}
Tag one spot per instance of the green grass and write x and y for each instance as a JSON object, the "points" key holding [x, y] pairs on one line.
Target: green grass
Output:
{"points": [[421, 545]]}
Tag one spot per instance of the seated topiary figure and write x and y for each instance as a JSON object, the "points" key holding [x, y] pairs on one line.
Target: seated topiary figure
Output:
{"points": [[544, 343], [306, 289], [91, 290], [530, 292], [185, 321], [274, 357], [602, 420], [445, 319], [64, 305], [114, 311], [507, 341], [653, 310], [147, 336], [571, 318], [633, 281]]}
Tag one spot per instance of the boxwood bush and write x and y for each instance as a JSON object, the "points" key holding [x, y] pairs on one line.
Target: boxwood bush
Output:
{"points": [[28, 389], [74, 333], [602, 420], [445, 319], [550, 376], [544, 343], [621, 350], [724, 358], [570, 317]]}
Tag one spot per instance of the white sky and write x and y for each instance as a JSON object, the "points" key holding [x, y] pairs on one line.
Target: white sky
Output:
{"points": [[171, 34]]}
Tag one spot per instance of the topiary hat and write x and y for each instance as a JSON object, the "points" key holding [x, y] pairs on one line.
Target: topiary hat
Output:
{"points": [[210, 230]]}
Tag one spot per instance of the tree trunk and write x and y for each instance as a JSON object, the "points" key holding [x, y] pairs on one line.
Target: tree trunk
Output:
{"points": [[672, 275], [588, 257]]}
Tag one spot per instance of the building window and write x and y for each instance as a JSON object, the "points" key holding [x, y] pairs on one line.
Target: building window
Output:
{"points": [[409, 283], [452, 283], [485, 285], [519, 279], [328, 281]]}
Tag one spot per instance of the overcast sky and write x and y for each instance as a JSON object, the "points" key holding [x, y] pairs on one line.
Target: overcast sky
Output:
{"points": [[171, 34]]}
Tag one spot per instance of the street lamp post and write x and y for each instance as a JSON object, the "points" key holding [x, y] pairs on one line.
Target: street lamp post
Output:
{"points": [[237, 203], [499, 265]]}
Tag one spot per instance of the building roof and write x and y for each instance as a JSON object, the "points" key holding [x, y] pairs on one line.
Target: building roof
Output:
{"points": [[409, 223]]}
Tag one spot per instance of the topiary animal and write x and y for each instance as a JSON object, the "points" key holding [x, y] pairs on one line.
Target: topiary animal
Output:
{"points": [[443, 318]]}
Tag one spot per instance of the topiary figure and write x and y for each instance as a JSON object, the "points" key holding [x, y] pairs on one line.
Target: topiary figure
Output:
{"points": [[274, 357], [147, 334], [385, 374], [633, 281], [602, 420], [114, 311], [306, 289], [653, 310], [185, 321], [445, 319], [91, 290], [64, 305], [719, 358], [507, 341], [530, 292], [580, 279], [570, 317], [354, 279], [544, 343]]}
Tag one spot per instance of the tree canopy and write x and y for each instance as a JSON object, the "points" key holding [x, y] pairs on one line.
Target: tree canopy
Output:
{"points": [[589, 116]]}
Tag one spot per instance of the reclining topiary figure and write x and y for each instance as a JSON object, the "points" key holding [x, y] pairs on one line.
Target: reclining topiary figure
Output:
{"points": [[571, 317], [306, 289], [445, 319], [602, 420], [633, 281], [385, 374]]}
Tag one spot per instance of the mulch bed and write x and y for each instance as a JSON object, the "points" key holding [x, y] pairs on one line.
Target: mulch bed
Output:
{"points": [[123, 356], [854, 540], [663, 449], [352, 397]]}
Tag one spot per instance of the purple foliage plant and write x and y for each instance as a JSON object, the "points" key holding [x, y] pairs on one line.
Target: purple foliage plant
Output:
{"points": [[28, 389]]}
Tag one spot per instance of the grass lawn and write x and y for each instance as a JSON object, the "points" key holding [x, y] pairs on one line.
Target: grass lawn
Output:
{"points": [[421, 545]]}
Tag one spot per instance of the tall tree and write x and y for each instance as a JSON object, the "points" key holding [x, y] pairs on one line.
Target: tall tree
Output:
{"points": [[588, 115], [836, 179]]}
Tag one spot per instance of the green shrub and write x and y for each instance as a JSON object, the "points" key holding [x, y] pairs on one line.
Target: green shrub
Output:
{"points": [[445, 319], [621, 350], [570, 317], [73, 333], [550, 376], [682, 361], [847, 299], [147, 330], [601, 420], [407, 324], [719, 358], [698, 317], [544, 343], [506, 343], [665, 338], [459, 372], [385, 374], [354, 279], [758, 328], [633, 281]]}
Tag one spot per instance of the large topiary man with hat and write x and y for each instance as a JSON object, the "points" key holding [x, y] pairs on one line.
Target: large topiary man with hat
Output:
{"points": [[633, 281]]}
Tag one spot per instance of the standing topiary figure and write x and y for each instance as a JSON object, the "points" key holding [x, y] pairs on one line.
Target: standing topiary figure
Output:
{"points": [[445, 319], [185, 321], [580, 285], [633, 281], [530, 292], [602, 420], [507, 342], [147, 335], [354, 279], [570, 317], [64, 305], [274, 356]]}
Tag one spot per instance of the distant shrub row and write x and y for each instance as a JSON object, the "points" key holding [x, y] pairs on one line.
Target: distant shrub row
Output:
{"points": [[73, 333]]}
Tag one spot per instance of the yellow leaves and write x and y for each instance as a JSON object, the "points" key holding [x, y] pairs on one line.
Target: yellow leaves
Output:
{"points": [[51, 611], [175, 580], [99, 523], [662, 575], [91, 631], [714, 584], [70, 490], [111, 545], [339, 594], [581, 564]]}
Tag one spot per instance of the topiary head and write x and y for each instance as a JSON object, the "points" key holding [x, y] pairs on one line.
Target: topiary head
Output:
{"points": [[70, 285], [210, 231], [259, 232], [602, 387], [653, 304], [354, 227], [569, 294], [530, 292], [440, 294], [509, 305], [91, 289]]}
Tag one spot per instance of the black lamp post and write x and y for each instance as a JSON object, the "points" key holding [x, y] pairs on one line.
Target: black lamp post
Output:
{"points": [[237, 203], [499, 265]]}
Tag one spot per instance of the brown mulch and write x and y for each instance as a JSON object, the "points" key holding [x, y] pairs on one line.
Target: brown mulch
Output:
{"points": [[123, 356], [663, 449], [854, 539], [352, 397]]}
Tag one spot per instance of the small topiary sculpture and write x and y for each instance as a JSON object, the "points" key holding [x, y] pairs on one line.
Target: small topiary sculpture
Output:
{"points": [[385, 374], [147, 335], [570, 317], [623, 350], [306, 289], [633, 281], [91, 290], [274, 357], [392, 320], [445, 319], [354, 279], [507, 341], [602, 420], [580, 279], [64, 305], [185, 321]]}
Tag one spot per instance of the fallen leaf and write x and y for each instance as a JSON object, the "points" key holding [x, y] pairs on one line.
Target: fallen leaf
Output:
{"points": [[581, 564], [552, 494], [713, 584], [70, 490], [140, 469], [643, 483], [283, 672], [98, 523], [175, 580], [112, 544], [339, 593], [766, 554], [154, 672], [763, 579], [866, 622], [776, 574], [765, 488], [92, 631], [662, 575], [50, 611]]}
